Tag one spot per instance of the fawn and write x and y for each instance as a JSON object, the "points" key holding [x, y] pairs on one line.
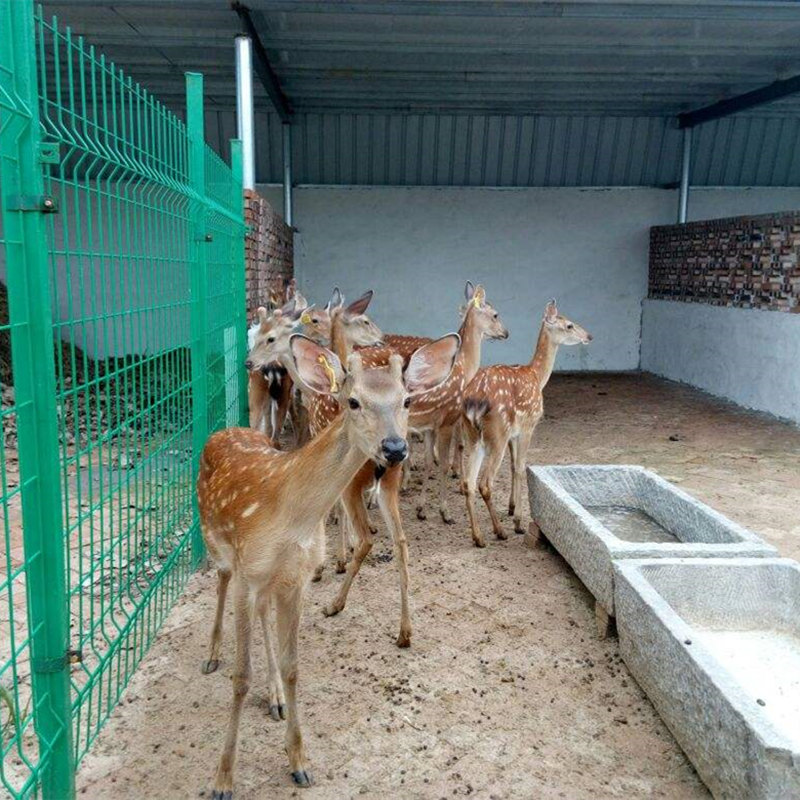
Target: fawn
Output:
{"points": [[439, 411], [502, 406], [262, 509]]}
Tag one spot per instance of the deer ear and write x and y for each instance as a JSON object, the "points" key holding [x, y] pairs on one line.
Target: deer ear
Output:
{"points": [[551, 312], [359, 306], [335, 301], [479, 298], [317, 367], [262, 315], [300, 301], [469, 291], [302, 314], [431, 364]]}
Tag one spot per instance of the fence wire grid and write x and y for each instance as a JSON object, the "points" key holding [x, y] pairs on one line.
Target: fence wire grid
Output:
{"points": [[121, 328]]}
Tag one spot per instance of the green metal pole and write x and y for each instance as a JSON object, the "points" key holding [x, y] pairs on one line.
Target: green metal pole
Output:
{"points": [[23, 207], [238, 266], [198, 287]]}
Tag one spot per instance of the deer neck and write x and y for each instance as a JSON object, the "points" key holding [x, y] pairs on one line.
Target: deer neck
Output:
{"points": [[544, 357], [339, 343], [470, 355], [326, 465]]}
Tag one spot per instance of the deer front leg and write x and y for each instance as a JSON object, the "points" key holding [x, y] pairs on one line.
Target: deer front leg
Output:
{"points": [[277, 703], [512, 497], [223, 783], [520, 453], [289, 605], [388, 500], [353, 499], [223, 579], [473, 458], [344, 540], [443, 442]]}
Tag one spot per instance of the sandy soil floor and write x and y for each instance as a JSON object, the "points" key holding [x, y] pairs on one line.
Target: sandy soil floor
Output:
{"points": [[506, 691]]}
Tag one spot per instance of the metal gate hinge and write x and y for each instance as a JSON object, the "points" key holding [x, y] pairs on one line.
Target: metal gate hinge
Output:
{"points": [[32, 202], [47, 665]]}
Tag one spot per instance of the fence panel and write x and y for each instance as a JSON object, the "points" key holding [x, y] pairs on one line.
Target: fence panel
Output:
{"points": [[121, 296]]}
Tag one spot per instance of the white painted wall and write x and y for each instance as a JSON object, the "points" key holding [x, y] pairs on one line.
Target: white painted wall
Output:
{"points": [[749, 356], [415, 246]]}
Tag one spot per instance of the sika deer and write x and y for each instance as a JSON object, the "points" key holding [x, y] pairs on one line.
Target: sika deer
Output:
{"points": [[502, 406], [440, 410], [262, 510]]}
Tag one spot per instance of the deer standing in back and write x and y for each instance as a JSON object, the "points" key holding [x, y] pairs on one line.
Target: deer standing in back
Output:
{"points": [[502, 407], [262, 510]]}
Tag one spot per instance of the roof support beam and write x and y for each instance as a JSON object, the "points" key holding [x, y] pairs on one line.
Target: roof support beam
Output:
{"points": [[724, 108], [263, 68]]}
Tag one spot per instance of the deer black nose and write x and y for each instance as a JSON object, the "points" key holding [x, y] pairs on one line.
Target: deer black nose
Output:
{"points": [[394, 449], [248, 365]]}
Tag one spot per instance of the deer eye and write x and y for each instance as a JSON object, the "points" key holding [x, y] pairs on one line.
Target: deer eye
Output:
{"points": [[407, 402], [314, 320], [570, 326], [353, 403], [271, 339], [495, 315]]}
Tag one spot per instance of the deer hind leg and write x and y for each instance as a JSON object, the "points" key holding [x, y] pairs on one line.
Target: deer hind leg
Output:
{"points": [[473, 458], [353, 499], [277, 703], [455, 455], [223, 579], [289, 602], [223, 783], [388, 500], [495, 447], [443, 442], [518, 487]]}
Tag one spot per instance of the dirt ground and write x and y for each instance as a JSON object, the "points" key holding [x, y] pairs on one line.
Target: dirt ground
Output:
{"points": [[506, 692]]}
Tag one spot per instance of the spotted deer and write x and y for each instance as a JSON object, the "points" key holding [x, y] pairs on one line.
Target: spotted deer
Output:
{"points": [[502, 407], [439, 411], [267, 542]]}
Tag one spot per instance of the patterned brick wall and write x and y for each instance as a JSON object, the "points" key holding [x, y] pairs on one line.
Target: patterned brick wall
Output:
{"points": [[749, 262], [269, 250]]}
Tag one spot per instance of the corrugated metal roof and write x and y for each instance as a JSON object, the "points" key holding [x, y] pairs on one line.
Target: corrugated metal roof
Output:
{"points": [[480, 92], [506, 150]]}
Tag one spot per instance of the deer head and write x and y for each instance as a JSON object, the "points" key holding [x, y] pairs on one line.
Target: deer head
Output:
{"points": [[375, 402], [561, 330], [269, 335], [356, 327], [483, 314], [317, 321]]}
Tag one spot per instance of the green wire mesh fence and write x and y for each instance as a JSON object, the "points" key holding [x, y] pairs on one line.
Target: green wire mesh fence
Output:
{"points": [[121, 328]]}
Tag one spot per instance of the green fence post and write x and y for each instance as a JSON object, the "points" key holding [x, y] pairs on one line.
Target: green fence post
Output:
{"points": [[23, 207], [198, 286], [238, 266]]}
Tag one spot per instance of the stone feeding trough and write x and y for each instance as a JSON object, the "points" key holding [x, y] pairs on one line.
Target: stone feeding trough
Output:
{"points": [[715, 644], [595, 515]]}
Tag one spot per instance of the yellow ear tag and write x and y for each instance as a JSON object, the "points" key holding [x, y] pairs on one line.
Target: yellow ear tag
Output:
{"points": [[305, 319], [329, 371]]}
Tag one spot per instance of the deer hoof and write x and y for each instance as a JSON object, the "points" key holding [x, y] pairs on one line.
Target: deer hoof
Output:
{"points": [[479, 542], [277, 712], [303, 778], [404, 639], [212, 665], [518, 526], [502, 535], [421, 513], [220, 795], [511, 509], [341, 567], [446, 516], [317, 576], [330, 610]]}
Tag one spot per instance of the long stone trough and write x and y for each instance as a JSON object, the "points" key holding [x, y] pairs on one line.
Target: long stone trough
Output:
{"points": [[715, 644], [596, 515]]}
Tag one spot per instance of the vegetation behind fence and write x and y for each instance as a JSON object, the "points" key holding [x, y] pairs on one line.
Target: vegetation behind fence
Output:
{"points": [[121, 328]]}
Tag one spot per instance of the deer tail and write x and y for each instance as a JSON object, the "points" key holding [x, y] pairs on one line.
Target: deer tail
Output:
{"points": [[475, 409]]}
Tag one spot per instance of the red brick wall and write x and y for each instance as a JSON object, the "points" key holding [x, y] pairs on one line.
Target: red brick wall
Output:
{"points": [[750, 262], [269, 250]]}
